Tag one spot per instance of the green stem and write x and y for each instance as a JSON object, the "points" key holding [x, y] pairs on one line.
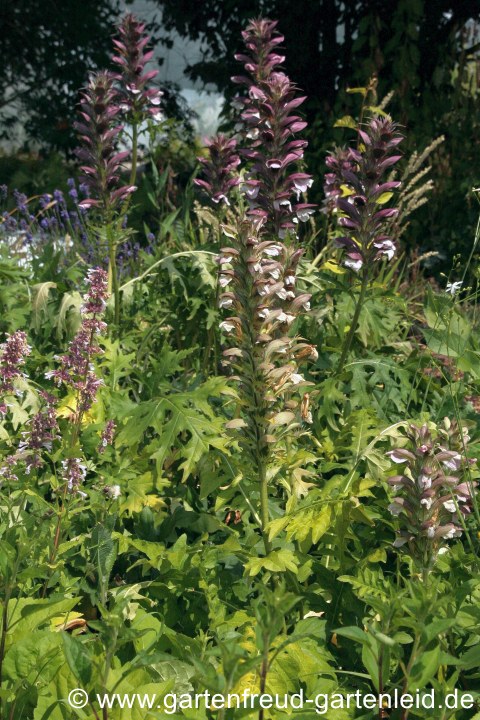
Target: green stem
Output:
{"points": [[263, 673], [5, 628], [112, 246], [354, 323], [264, 514], [413, 657], [3, 640], [113, 275]]}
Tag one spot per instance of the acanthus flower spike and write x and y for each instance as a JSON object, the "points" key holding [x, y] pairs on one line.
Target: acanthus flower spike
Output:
{"points": [[98, 131], [137, 97], [257, 280], [219, 169], [356, 190], [274, 183], [434, 491]]}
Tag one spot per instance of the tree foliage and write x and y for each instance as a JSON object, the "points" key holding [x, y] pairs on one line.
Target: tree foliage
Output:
{"points": [[47, 50]]}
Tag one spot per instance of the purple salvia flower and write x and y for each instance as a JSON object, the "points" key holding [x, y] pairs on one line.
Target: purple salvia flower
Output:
{"points": [[76, 365], [42, 432], [354, 186], [107, 436], [270, 127], [219, 168], [98, 134], [3, 192], [74, 473], [7, 469], [12, 357], [433, 492], [137, 99]]}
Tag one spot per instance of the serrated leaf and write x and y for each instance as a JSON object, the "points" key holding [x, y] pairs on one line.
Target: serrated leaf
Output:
{"points": [[275, 561], [104, 550], [183, 421]]}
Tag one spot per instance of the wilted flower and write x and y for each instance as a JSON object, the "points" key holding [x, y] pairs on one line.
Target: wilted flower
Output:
{"points": [[98, 132], [136, 97], [274, 183], [113, 492], [219, 168], [433, 491], [356, 189]]}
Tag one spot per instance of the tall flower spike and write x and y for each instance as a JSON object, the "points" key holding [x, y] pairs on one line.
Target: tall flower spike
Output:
{"points": [[219, 168], [433, 491], [98, 133], [257, 277], [270, 128], [137, 98], [357, 189], [76, 369]]}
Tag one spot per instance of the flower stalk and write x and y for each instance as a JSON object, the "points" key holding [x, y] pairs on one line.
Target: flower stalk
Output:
{"points": [[356, 191], [257, 278]]}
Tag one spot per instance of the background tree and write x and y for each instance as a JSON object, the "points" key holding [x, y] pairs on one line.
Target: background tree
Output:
{"points": [[47, 50]]}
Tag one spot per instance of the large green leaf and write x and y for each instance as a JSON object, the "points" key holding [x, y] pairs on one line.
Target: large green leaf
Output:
{"points": [[184, 423]]}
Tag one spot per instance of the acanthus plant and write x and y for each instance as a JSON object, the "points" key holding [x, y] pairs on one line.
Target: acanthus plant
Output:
{"points": [[258, 270], [99, 133], [109, 101], [356, 188], [258, 282], [435, 491]]}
